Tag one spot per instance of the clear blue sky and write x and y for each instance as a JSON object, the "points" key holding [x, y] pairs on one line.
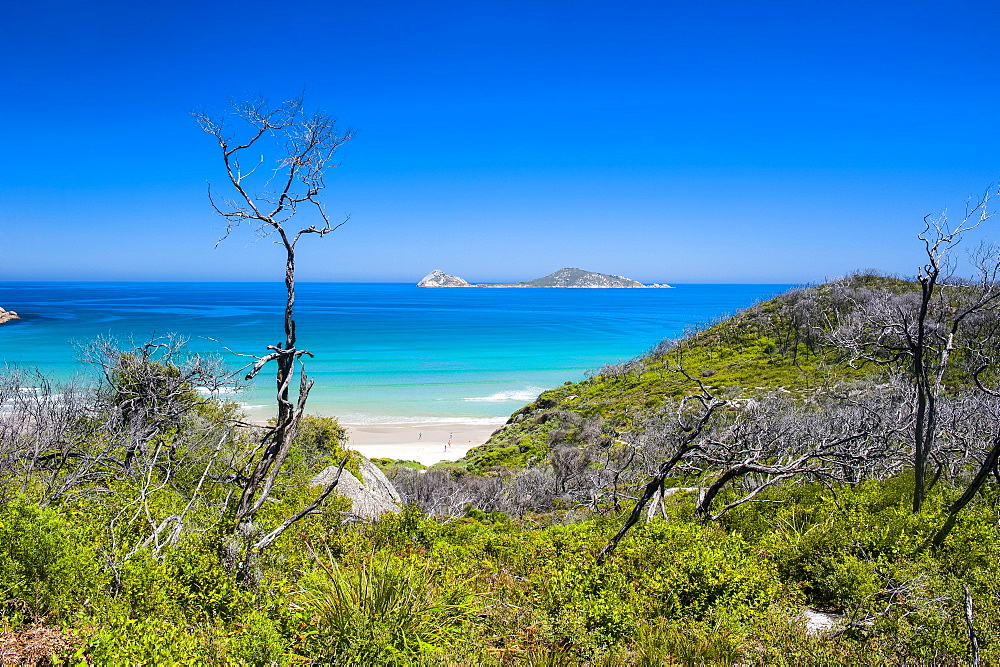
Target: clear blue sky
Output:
{"points": [[668, 141]]}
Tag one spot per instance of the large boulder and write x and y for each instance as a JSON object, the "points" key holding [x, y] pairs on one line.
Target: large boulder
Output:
{"points": [[438, 278], [371, 496]]}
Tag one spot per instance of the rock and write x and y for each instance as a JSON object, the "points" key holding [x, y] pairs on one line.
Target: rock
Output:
{"points": [[577, 278], [371, 496], [568, 277], [7, 315], [438, 278], [821, 622], [572, 277], [375, 479]]}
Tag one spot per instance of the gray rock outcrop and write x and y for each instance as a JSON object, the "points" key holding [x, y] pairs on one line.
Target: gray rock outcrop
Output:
{"points": [[371, 496], [438, 278]]}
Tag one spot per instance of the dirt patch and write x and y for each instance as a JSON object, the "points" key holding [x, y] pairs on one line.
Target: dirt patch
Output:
{"points": [[34, 645]]}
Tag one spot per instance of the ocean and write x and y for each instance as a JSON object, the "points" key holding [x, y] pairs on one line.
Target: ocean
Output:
{"points": [[384, 353]]}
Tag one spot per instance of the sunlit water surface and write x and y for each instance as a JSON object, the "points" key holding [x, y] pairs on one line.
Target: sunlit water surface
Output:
{"points": [[383, 352]]}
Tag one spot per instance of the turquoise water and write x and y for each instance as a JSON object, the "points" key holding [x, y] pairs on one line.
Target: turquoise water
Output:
{"points": [[384, 352]]}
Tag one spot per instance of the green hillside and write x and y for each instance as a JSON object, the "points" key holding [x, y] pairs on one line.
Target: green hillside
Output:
{"points": [[777, 344]]}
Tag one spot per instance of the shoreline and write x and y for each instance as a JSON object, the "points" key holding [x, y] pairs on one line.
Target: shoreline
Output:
{"points": [[424, 442], [421, 441]]}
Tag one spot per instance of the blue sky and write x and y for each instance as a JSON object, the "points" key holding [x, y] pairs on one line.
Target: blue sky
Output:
{"points": [[774, 142]]}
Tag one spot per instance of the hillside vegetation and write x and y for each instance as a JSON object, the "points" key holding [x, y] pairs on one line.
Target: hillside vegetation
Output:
{"points": [[781, 484], [779, 344]]}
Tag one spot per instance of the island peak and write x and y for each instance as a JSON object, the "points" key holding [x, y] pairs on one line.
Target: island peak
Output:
{"points": [[569, 277], [438, 278], [574, 277]]}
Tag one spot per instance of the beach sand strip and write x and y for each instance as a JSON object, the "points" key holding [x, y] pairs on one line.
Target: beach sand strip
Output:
{"points": [[423, 442]]}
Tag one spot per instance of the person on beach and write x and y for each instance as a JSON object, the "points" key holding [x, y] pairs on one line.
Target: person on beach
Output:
{"points": [[419, 435]]}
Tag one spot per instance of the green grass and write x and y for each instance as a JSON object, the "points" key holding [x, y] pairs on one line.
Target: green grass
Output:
{"points": [[387, 463]]}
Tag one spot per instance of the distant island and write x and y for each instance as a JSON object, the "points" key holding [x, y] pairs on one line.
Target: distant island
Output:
{"points": [[566, 278], [7, 315]]}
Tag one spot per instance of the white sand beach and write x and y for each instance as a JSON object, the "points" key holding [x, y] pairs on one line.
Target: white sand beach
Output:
{"points": [[420, 441]]}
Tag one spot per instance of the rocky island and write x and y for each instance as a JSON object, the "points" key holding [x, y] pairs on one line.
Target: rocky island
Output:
{"points": [[565, 278], [438, 278], [7, 315]]}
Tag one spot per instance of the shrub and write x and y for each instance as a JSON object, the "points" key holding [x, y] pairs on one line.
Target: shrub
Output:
{"points": [[258, 643], [188, 585], [46, 569], [121, 640], [385, 613]]}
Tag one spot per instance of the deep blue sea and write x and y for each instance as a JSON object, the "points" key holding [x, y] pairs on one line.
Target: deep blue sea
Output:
{"points": [[383, 352]]}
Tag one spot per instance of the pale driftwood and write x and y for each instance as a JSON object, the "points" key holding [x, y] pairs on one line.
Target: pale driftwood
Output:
{"points": [[973, 639], [656, 504]]}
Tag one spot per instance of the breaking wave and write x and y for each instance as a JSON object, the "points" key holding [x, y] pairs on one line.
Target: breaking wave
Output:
{"points": [[521, 395]]}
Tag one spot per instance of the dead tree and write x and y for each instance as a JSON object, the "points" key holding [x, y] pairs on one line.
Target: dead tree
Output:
{"points": [[919, 332], [288, 187], [694, 414], [972, 444], [842, 437], [138, 432], [148, 388], [39, 431]]}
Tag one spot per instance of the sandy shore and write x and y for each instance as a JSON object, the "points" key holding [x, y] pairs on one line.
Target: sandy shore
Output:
{"points": [[424, 442]]}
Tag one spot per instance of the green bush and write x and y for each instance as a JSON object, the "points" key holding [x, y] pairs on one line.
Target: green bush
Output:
{"points": [[384, 613], [46, 568], [259, 642], [189, 585], [123, 640]]}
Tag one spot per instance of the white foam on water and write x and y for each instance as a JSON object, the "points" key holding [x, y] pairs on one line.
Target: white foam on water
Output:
{"points": [[521, 395], [206, 391]]}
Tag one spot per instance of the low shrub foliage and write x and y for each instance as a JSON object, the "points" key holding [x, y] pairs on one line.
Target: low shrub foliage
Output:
{"points": [[486, 589]]}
